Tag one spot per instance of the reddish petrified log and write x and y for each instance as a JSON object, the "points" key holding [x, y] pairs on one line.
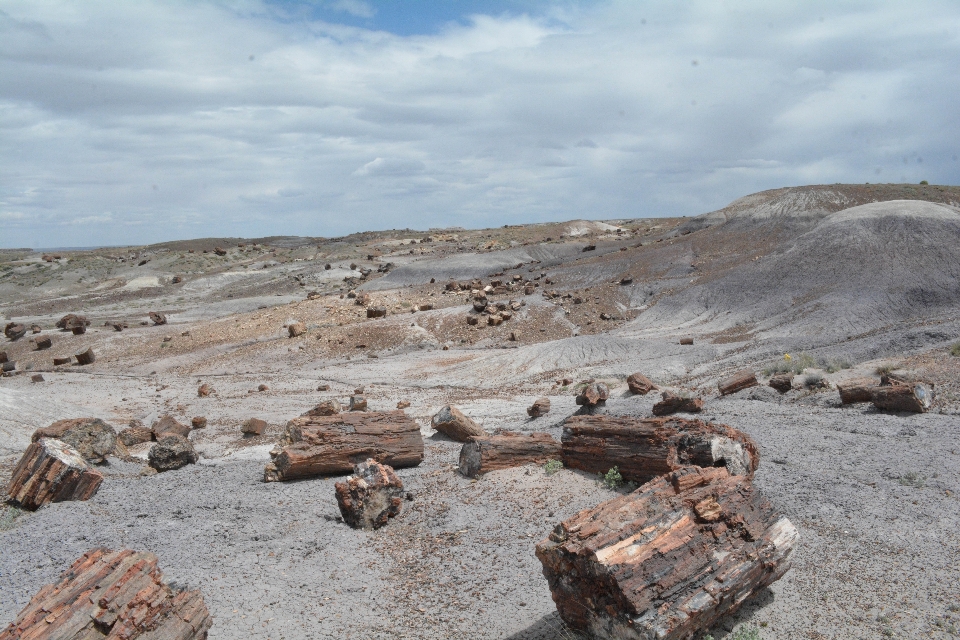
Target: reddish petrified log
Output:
{"points": [[737, 382], [158, 318], [112, 595], [859, 390], [643, 449], [370, 497], [254, 427], [87, 357], [169, 424], [782, 382], [913, 397], [593, 394], [451, 422], [15, 330], [52, 471], [540, 407], [93, 438], [43, 342], [671, 402], [332, 445], [504, 450], [668, 560], [640, 384]]}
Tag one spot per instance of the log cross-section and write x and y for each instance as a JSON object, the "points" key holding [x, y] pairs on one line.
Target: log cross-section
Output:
{"points": [[502, 451], [332, 445], [51, 471]]}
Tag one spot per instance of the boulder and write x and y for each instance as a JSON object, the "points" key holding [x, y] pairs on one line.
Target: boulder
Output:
{"points": [[370, 497], [171, 452], [451, 422], [540, 407], [93, 438], [640, 384], [50, 470]]}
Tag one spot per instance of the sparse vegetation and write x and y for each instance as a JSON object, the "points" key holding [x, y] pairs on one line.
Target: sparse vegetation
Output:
{"points": [[913, 479], [797, 364], [885, 369], [955, 350], [552, 466], [613, 479], [8, 516], [815, 381]]}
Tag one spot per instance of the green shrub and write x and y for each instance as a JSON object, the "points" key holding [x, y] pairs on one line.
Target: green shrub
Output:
{"points": [[552, 466], [955, 350], [613, 479], [913, 479], [834, 365], [8, 516]]}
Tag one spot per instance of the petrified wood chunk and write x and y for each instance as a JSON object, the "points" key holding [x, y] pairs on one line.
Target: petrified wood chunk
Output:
{"points": [[671, 402], [87, 357], [71, 320], [112, 594], [14, 330], [376, 312], [357, 403], [370, 497], [686, 341], [859, 390], [915, 397], [134, 435], [326, 408], [158, 318], [171, 452], [59, 361], [737, 382], [331, 445], [254, 427], [204, 390], [43, 342], [504, 450], [593, 394], [451, 422], [93, 438], [782, 382], [3, 357], [643, 449], [668, 560], [540, 407], [640, 384], [296, 329], [198, 422], [52, 471], [169, 424]]}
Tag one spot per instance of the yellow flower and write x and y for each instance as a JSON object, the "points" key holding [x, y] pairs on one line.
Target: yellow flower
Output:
{"points": [[787, 357]]}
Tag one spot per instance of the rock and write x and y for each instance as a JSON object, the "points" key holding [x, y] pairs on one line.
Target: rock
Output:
{"points": [[43, 342], [169, 424], [472, 320], [263, 387], [326, 408], [914, 397], [117, 326], [93, 438], [314, 295], [35, 328], [494, 319], [451, 422], [254, 427], [157, 318], [376, 312], [87, 357], [640, 384], [593, 394], [329, 445], [479, 304], [112, 594], [362, 299], [3, 357], [14, 331], [50, 470], [36, 378], [737, 382], [686, 341], [134, 435], [782, 382], [295, 329], [8, 367], [171, 452], [323, 387], [668, 560], [671, 402], [590, 247], [358, 391], [540, 407], [198, 422], [61, 361], [403, 404], [71, 320], [176, 279], [357, 403], [204, 390], [483, 454], [643, 449], [220, 251], [626, 280], [370, 497]]}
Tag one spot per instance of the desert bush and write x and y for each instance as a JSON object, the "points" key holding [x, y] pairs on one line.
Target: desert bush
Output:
{"points": [[791, 364], [613, 479], [884, 369], [8, 516], [814, 381], [913, 479], [552, 466], [955, 350], [835, 364]]}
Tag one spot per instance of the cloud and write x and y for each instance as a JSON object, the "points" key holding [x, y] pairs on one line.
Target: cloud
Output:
{"points": [[354, 7], [212, 119]]}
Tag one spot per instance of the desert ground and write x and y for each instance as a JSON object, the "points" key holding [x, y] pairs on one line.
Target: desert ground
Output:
{"points": [[849, 280]]}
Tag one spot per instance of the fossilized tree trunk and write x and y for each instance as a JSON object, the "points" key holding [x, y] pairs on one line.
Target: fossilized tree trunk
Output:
{"points": [[915, 397], [371, 496], [674, 403], [737, 382], [505, 450], [51, 471], [859, 390]]}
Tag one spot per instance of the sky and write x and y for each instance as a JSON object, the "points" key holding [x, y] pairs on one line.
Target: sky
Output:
{"points": [[137, 122]]}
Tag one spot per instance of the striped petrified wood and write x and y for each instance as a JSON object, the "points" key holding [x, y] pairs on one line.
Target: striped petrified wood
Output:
{"points": [[505, 450], [112, 595], [52, 471], [668, 560], [332, 445]]}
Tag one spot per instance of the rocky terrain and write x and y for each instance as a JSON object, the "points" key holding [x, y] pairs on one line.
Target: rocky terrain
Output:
{"points": [[832, 283]]}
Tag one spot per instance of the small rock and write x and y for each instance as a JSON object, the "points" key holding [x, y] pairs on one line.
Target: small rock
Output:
{"points": [[61, 361], [357, 403], [36, 378], [87, 357], [134, 435], [172, 452], [204, 390], [370, 497], [540, 407], [157, 318], [43, 342], [323, 387], [198, 422], [296, 329], [263, 387], [254, 427], [326, 408], [640, 384], [593, 394], [403, 404], [168, 424], [376, 312]]}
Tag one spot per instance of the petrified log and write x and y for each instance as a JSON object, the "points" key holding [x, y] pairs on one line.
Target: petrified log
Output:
{"points": [[668, 560], [171, 452], [593, 394], [112, 594], [87, 357], [331, 445], [782, 382], [3, 357], [671, 402], [370, 497], [92, 438], [326, 408], [376, 312], [686, 341], [14, 330], [158, 318], [643, 449], [914, 397], [451, 422], [737, 382], [59, 361], [296, 329], [72, 320], [169, 424], [540, 407], [640, 384], [858, 390], [52, 471], [504, 450], [43, 342], [357, 403], [254, 427], [134, 435]]}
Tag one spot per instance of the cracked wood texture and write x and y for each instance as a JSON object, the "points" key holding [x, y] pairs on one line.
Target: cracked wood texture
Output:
{"points": [[51, 471], [370, 497], [668, 560], [332, 445], [645, 448], [114, 595], [505, 450], [914, 397]]}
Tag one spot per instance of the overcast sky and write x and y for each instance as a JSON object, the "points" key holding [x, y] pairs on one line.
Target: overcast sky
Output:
{"points": [[133, 122]]}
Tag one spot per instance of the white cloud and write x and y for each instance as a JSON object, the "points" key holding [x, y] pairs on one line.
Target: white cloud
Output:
{"points": [[192, 119]]}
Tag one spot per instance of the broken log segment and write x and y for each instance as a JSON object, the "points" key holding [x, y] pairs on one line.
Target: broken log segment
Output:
{"points": [[640, 384], [738, 382], [172, 452], [370, 497], [667, 560], [87, 357], [93, 438], [671, 402], [782, 382], [112, 594], [332, 445], [643, 449], [859, 390], [593, 394], [451, 422], [504, 450], [914, 397], [540, 407], [52, 471]]}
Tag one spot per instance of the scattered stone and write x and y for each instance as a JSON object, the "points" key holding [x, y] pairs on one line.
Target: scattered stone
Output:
{"points": [[737, 382], [403, 404], [93, 438], [627, 280], [472, 320], [593, 394], [35, 328], [783, 382], [363, 299], [157, 318], [167, 338], [87, 357], [686, 341], [671, 402], [640, 384], [606, 316], [176, 279], [479, 304], [50, 470], [313, 295], [204, 390], [424, 307], [376, 312], [198, 422], [451, 422], [323, 387], [263, 387], [172, 452], [168, 424], [295, 329], [483, 454], [134, 435], [590, 247], [540, 407], [326, 408], [668, 560], [566, 382], [14, 330], [329, 445], [36, 378], [357, 403], [494, 319], [220, 251], [3, 357], [117, 326], [370, 497], [61, 361], [43, 342], [254, 427], [514, 336], [359, 390]]}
